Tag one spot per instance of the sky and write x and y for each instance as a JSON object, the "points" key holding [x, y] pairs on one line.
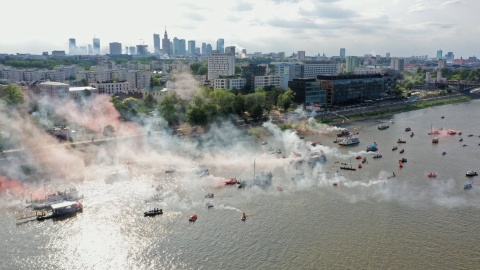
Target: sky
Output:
{"points": [[401, 27]]}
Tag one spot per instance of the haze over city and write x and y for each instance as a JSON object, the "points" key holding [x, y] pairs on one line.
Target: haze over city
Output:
{"points": [[402, 28]]}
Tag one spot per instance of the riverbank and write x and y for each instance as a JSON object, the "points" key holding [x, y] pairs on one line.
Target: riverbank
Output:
{"points": [[342, 117]]}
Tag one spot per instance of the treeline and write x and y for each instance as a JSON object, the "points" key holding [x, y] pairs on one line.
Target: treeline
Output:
{"points": [[208, 106], [46, 63]]}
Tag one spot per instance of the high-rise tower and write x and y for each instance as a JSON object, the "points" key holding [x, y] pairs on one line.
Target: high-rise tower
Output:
{"points": [[72, 46], [96, 46], [221, 45], [166, 43], [156, 43]]}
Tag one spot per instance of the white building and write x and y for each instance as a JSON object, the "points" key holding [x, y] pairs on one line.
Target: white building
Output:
{"points": [[54, 89], [220, 64], [111, 87], [79, 92], [311, 70], [397, 64], [263, 81], [229, 83]]}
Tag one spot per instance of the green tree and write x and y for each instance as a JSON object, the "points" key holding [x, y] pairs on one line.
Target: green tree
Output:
{"points": [[84, 82], [13, 96], [224, 100], [285, 100], [167, 110], [197, 116], [239, 104], [149, 102], [202, 70], [194, 67]]}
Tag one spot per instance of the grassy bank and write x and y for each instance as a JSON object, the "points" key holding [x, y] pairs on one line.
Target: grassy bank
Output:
{"points": [[389, 111]]}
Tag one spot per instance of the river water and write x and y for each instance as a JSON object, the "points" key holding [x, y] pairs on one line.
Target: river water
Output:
{"points": [[367, 222]]}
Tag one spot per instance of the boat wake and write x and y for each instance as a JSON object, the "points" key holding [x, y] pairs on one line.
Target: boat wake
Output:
{"points": [[224, 207]]}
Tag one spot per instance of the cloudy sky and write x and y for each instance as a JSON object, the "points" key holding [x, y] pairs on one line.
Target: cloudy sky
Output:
{"points": [[401, 27]]}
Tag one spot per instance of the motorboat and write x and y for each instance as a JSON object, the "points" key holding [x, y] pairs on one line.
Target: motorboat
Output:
{"points": [[244, 216], [400, 164], [460, 133], [403, 160], [461, 140], [360, 166], [231, 181], [209, 195], [402, 151], [364, 160], [411, 134], [358, 157], [372, 147], [383, 126], [444, 153], [350, 140], [192, 218], [467, 185], [401, 141], [391, 121], [315, 144], [153, 212], [407, 129], [471, 173], [61, 209], [377, 156], [451, 132], [335, 184], [470, 135], [435, 140], [394, 148], [432, 175], [442, 117], [209, 204]]}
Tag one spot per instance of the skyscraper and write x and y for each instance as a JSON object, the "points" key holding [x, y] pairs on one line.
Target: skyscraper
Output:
{"points": [[351, 63], [439, 54], [397, 63], [301, 55], [221, 45], [230, 50], [342, 52], [204, 48], [209, 49], [96, 46], [191, 47], [115, 48], [72, 46], [176, 45], [142, 49], [156, 43], [182, 47], [166, 43]]}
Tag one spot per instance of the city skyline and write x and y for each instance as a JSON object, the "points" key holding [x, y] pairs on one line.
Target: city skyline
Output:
{"points": [[401, 28]]}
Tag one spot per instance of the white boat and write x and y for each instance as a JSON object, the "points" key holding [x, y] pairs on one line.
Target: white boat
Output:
{"points": [[64, 208], [351, 140], [471, 173]]}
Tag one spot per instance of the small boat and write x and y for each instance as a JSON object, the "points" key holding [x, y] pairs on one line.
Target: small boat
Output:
{"points": [[459, 133], [470, 135], [153, 212], [209, 195], [316, 143], [407, 129], [348, 168], [400, 164], [336, 140], [394, 148], [232, 181], [372, 147], [411, 134], [377, 156], [432, 175], [192, 218], [359, 166], [349, 140], [364, 160], [467, 185], [471, 173], [452, 132], [402, 151], [435, 140], [335, 184], [244, 217], [383, 126], [461, 139], [391, 121], [401, 141], [444, 153], [209, 204], [442, 117], [358, 157], [403, 160]]}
